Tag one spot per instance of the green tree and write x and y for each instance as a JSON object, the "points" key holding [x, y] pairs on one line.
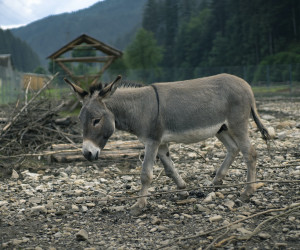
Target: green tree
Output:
{"points": [[83, 51], [144, 54], [40, 70]]}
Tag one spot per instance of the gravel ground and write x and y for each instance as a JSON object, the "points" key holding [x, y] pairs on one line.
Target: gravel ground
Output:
{"points": [[86, 206]]}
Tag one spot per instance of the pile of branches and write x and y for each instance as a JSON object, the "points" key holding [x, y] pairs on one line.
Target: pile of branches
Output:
{"points": [[34, 126]]}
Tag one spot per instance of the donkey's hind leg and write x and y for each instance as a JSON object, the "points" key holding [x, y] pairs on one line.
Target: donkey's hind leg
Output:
{"points": [[164, 156], [232, 151], [249, 154]]}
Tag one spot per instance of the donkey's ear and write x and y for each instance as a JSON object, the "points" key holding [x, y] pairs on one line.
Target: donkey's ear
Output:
{"points": [[79, 91], [110, 88]]}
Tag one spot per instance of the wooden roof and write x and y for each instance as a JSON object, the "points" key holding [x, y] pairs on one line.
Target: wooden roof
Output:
{"points": [[108, 50], [5, 60]]}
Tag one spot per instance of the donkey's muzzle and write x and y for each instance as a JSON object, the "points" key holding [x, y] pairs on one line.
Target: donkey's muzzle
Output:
{"points": [[90, 151]]}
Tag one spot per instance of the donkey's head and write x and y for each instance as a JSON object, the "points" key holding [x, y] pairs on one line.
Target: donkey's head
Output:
{"points": [[97, 121]]}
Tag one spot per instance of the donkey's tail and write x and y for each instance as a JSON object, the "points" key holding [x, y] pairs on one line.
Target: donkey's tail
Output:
{"points": [[263, 130]]}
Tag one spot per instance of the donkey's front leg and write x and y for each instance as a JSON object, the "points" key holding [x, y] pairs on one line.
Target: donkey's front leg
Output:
{"points": [[146, 175]]}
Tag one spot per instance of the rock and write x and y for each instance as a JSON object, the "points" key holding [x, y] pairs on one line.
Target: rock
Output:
{"points": [[286, 124], [39, 209], [229, 203], [187, 201], [187, 216], [215, 218], [31, 176], [2, 203], [75, 208], [209, 197], [220, 195], [155, 221], [162, 228], [119, 208], [268, 117], [35, 200], [14, 174], [58, 235], [63, 174], [16, 242], [201, 208], [82, 235], [154, 229], [244, 231], [264, 236], [176, 216], [127, 178], [282, 135]]}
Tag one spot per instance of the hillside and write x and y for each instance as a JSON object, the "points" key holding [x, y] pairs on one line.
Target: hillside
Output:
{"points": [[111, 21], [23, 57]]}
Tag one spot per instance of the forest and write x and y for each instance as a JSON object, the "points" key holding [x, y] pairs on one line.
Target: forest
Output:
{"points": [[166, 40], [23, 57], [186, 37]]}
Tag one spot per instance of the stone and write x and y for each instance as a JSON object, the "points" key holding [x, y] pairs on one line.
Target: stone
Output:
{"points": [[155, 221], [268, 117], [2, 203], [220, 195], [229, 203], [14, 174], [215, 218], [127, 178], [39, 209], [286, 124], [209, 197], [119, 208], [282, 135], [84, 209], [244, 231], [82, 235], [16, 242], [264, 236], [63, 174], [75, 208], [154, 229], [201, 208]]}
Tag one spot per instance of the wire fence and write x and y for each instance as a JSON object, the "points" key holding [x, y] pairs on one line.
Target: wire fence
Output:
{"points": [[264, 79]]}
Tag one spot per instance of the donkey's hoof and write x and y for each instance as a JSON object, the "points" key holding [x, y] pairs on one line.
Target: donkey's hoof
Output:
{"points": [[136, 209], [217, 183], [183, 195], [245, 197]]}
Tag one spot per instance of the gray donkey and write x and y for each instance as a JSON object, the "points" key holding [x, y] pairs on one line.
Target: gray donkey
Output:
{"points": [[182, 112]]}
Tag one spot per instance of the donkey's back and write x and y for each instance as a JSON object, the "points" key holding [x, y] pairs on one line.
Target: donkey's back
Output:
{"points": [[197, 109]]}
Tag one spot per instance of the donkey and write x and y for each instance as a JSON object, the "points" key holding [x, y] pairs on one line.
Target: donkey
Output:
{"points": [[182, 112]]}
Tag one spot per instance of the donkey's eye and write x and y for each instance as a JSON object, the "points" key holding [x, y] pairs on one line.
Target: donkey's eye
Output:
{"points": [[96, 121]]}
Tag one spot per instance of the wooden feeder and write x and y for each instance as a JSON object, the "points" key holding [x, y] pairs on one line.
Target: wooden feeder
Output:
{"points": [[109, 54]]}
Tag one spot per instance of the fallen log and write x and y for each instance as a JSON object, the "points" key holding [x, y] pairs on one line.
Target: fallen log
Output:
{"points": [[64, 153]]}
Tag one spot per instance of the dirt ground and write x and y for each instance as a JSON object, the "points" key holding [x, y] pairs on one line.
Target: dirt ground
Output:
{"points": [[84, 205]]}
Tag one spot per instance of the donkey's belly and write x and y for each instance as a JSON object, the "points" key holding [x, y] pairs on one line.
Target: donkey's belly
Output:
{"points": [[191, 135]]}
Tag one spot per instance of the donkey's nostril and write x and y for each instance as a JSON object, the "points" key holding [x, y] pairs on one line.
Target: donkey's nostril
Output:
{"points": [[87, 154], [96, 156]]}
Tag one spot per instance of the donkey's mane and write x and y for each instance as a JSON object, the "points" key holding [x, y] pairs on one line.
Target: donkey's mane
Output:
{"points": [[123, 84]]}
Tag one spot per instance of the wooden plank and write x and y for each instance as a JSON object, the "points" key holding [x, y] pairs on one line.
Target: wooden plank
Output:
{"points": [[85, 59], [117, 149]]}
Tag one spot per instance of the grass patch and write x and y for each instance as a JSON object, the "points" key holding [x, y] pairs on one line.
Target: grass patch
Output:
{"points": [[271, 89]]}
